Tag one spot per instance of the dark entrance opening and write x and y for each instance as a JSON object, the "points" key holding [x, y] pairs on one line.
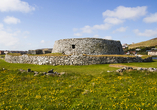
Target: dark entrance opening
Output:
{"points": [[119, 49], [73, 46]]}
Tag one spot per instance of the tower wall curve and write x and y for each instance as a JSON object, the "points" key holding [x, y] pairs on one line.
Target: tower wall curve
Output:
{"points": [[89, 46]]}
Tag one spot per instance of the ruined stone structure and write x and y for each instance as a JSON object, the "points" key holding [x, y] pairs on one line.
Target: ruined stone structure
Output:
{"points": [[79, 51], [40, 51], [89, 46], [72, 59]]}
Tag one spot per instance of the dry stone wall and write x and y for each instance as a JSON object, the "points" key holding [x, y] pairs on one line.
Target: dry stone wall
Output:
{"points": [[88, 46], [71, 60]]}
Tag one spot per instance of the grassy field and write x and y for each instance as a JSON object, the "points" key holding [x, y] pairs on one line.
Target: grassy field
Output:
{"points": [[82, 87], [149, 43]]}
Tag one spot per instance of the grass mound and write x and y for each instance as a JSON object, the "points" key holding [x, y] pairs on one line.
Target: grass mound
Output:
{"points": [[149, 43]]}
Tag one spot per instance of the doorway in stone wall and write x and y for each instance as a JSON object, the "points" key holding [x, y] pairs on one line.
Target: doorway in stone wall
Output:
{"points": [[73, 46]]}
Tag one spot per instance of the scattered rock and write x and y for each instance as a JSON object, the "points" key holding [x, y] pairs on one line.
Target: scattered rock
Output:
{"points": [[51, 71], [50, 74], [29, 70], [62, 73], [56, 73], [134, 68], [138, 69], [35, 72], [22, 71], [119, 70], [44, 73]]}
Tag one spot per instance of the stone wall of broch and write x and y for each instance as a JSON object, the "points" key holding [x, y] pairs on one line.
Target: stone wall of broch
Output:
{"points": [[88, 46], [72, 60]]}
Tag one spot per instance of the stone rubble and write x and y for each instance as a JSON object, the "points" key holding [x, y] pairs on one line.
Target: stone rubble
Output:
{"points": [[135, 68], [72, 60], [49, 73]]}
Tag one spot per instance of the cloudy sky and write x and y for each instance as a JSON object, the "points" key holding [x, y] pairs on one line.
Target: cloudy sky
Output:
{"points": [[34, 24]]}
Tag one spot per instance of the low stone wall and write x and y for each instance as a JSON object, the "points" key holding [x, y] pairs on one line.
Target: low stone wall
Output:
{"points": [[72, 60]]}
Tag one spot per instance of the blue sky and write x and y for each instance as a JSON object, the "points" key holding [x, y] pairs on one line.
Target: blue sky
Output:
{"points": [[35, 24]]}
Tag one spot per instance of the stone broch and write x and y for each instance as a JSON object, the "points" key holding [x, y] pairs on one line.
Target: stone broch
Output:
{"points": [[88, 46], [79, 51]]}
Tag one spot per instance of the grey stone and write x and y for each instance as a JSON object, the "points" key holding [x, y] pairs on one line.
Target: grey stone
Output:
{"points": [[21, 70], [51, 71], [51, 74], [119, 70], [139, 68], [44, 73], [61, 73], [28, 70], [35, 72], [67, 60]]}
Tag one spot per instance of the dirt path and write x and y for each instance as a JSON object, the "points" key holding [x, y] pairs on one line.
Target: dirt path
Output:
{"points": [[120, 66]]}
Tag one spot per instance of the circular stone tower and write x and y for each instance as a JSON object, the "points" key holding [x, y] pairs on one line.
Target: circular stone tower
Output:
{"points": [[89, 46]]}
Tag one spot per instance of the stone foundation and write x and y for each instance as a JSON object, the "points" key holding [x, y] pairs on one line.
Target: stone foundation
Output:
{"points": [[72, 60]]}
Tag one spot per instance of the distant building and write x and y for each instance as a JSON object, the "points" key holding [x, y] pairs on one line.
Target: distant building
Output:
{"points": [[124, 46], [131, 52], [137, 49], [40, 51], [1, 52], [153, 48], [152, 52], [11, 51]]}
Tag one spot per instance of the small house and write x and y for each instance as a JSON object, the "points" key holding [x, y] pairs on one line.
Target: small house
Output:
{"points": [[152, 52]]}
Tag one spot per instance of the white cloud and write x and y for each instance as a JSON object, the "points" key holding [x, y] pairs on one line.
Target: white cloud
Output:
{"points": [[115, 17], [25, 37], [122, 12], [121, 29], [89, 29], [113, 21], [102, 27], [96, 36], [7, 39], [146, 33], [26, 32], [11, 20], [86, 29], [1, 26], [75, 29], [42, 41], [151, 19], [107, 37], [77, 34], [15, 5]]}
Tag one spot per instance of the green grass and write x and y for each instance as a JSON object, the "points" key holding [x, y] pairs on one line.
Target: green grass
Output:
{"points": [[143, 64], [83, 87], [91, 69], [2, 56], [149, 43]]}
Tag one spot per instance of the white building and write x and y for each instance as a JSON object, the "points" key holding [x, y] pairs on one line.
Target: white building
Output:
{"points": [[152, 52]]}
